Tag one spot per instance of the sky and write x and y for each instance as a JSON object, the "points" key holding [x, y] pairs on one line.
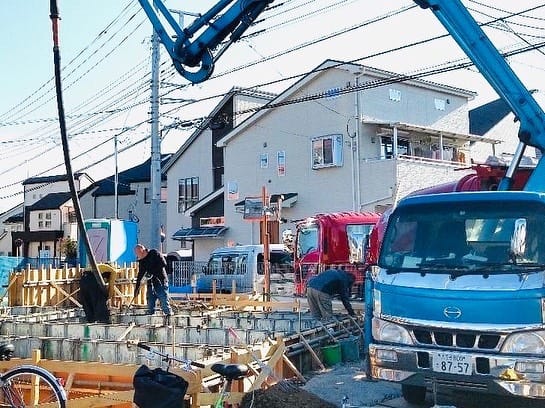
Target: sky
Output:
{"points": [[106, 58]]}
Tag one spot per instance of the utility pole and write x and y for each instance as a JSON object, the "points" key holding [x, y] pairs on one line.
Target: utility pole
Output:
{"points": [[155, 176], [116, 182], [266, 246], [155, 172]]}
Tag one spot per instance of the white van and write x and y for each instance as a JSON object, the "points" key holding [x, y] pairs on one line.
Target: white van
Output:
{"points": [[243, 264]]}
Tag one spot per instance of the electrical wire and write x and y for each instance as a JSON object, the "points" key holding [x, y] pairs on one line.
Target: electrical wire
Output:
{"points": [[255, 86]]}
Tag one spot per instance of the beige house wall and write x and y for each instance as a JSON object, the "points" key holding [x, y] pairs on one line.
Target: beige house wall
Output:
{"points": [[365, 179]]}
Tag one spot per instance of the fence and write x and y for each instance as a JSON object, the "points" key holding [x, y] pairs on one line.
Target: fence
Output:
{"points": [[193, 276], [184, 275]]}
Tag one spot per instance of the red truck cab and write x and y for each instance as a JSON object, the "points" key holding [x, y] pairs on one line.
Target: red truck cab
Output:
{"points": [[332, 240]]}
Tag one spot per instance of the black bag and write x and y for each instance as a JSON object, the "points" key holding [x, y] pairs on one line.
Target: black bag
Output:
{"points": [[158, 388]]}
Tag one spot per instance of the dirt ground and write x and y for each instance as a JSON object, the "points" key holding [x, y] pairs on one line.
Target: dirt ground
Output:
{"points": [[326, 389], [278, 397]]}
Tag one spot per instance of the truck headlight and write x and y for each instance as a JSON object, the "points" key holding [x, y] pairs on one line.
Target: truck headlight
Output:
{"points": [[525, 343], [390, 332]]}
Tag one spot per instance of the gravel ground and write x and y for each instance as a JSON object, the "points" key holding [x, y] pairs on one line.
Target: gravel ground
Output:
{"points": [[348, 379]]}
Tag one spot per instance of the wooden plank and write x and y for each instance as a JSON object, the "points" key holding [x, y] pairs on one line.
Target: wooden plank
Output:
{"points": [[312, 353], [105, 399], [126, 331], [294, 369], [205, 398], [11, 283], [67, 295], [267, 370]]}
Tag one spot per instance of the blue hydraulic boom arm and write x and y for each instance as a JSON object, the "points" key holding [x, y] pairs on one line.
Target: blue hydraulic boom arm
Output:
{"points": [[478, 47], [198, 53]]}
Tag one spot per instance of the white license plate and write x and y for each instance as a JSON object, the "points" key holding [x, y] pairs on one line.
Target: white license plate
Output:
{"points": [[452, 363]]}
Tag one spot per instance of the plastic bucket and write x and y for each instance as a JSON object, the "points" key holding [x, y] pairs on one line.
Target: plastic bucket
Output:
{"points": [[350, 349], [331, 354]]}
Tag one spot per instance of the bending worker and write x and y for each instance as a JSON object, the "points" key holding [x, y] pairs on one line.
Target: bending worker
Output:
{"points": [[152, 265], [323, 287]]}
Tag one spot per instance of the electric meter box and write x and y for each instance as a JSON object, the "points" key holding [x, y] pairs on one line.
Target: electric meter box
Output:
{"points": [[111, 240]]}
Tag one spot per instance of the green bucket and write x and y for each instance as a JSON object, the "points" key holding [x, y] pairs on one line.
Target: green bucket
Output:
{"points": [[350, 349], [331, 354]]}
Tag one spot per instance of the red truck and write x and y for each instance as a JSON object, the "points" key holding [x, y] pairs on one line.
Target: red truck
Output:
{"points": [[335, 240]]}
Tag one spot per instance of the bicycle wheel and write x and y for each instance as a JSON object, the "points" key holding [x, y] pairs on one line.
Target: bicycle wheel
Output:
{"points": [[31, 386]]}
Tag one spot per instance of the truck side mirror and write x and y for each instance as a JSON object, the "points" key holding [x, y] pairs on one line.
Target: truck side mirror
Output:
{"points": [[518, 239]]}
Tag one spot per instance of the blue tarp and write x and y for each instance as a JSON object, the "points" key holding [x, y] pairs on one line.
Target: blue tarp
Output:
{"points": [[7, 265], [10, 263]]}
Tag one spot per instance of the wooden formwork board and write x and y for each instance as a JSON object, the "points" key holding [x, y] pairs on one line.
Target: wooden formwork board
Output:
{"points": [[47, 286]]}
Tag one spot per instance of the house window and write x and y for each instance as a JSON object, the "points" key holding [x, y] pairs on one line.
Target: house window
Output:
{"points": [[188, 193], [48, 224], [40, 216], [48, 216], [40, 224], [387, 147], [327, 151], [395, 95], [440, 104], [147, 195]]}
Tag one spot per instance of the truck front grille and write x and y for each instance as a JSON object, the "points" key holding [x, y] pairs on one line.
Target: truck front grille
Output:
{"points": [[464, 340]]}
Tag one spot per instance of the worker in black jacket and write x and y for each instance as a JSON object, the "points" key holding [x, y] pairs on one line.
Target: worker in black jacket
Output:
{"points": [[323, 287], [152, 266]]}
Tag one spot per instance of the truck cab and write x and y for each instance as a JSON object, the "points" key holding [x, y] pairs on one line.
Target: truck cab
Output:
{"points": [[332, 240], [458, 294], [464, 309]]}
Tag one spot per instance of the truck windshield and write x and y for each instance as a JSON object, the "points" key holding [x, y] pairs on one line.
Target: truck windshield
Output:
{"points": [[307, 239], [357, 234], [227, 264], [469, 238]]}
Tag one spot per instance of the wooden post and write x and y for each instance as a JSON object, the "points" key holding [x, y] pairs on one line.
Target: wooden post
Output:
{"points": [[35, 384]]}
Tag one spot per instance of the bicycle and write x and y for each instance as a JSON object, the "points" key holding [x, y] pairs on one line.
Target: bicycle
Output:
{"points": [[227, 372], [28, 385]]}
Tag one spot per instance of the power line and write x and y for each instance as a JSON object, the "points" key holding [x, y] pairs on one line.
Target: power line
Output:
{"points": [[260, 85]]}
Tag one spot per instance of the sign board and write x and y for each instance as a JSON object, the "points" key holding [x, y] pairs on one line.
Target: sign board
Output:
{"points": [[212, 222], [253, 209]]}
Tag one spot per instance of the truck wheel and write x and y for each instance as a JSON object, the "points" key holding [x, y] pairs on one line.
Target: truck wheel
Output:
{"points": [[413, 394]]}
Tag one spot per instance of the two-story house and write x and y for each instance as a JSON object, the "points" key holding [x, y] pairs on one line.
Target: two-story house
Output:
{"points": [[10, 221], [344, 137], [48, 215], [195, 176]]}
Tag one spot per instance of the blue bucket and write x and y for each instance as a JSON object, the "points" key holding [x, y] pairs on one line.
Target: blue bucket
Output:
{"points": [[350, 349]]}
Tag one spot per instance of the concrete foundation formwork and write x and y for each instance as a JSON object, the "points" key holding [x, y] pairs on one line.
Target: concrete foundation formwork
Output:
{"points": [[195, 335], [97, 361]]}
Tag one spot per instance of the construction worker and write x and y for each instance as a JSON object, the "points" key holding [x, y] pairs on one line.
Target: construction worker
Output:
{"points": [[323, 287], [152, 267]]}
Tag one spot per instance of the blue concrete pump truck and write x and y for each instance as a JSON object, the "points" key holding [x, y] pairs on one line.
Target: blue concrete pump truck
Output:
{"points": [[457, 299]]}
